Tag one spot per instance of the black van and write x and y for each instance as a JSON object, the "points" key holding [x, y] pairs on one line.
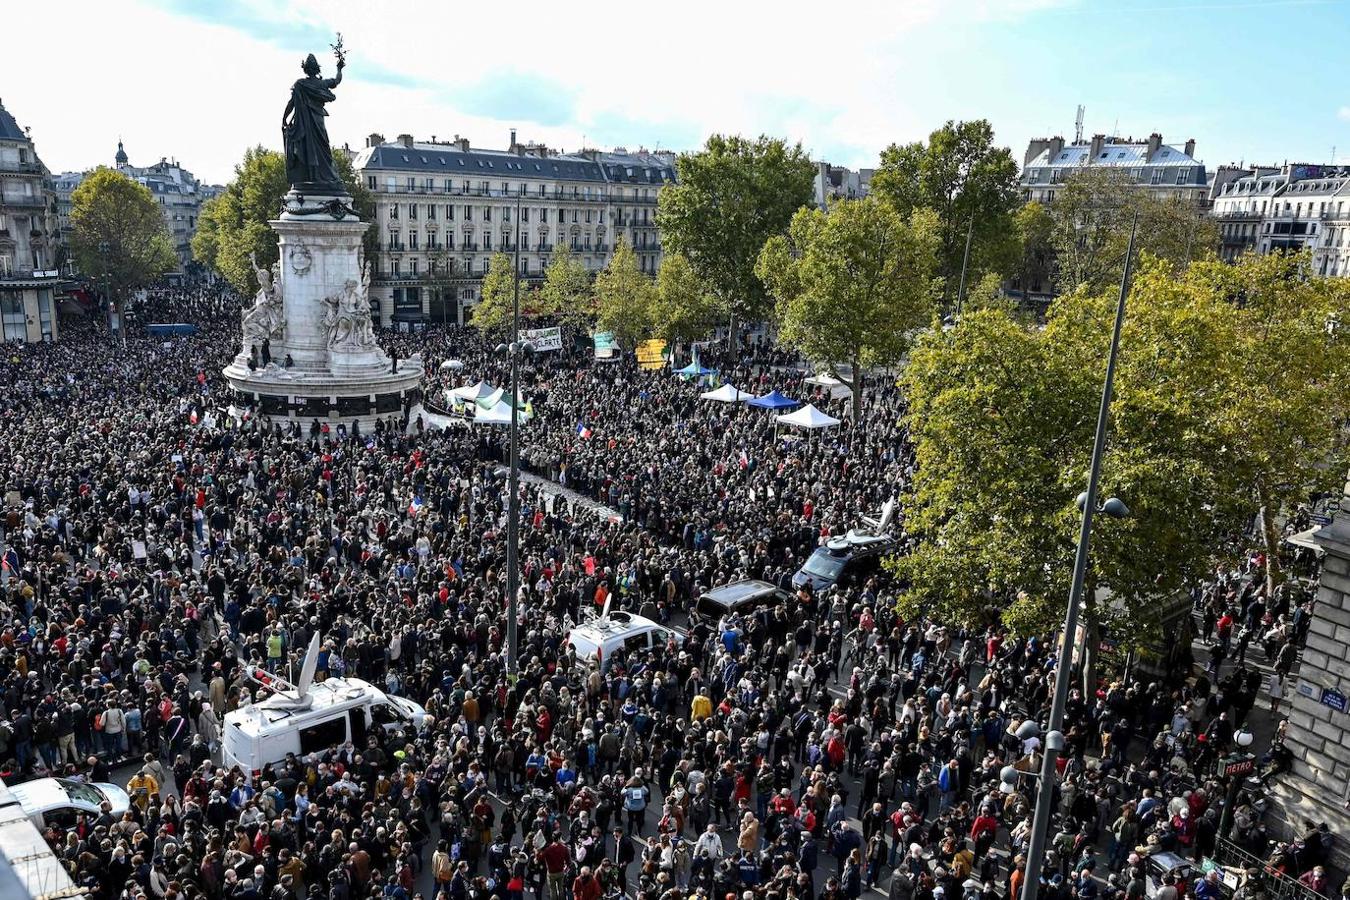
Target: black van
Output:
{"points": [[843, 559], [744, 597]]}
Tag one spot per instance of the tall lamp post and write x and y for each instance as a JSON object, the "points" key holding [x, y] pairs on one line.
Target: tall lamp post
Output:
{"points": [[1087, 502], [514, 350], [965, 260], [1237, 766]]}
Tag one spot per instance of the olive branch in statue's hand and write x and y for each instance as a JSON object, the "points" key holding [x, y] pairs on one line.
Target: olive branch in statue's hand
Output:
{"points": [[339, 51]]}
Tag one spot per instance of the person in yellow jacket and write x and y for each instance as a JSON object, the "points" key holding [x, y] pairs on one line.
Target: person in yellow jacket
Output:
{"points": [[700, 708], [143, 788]]}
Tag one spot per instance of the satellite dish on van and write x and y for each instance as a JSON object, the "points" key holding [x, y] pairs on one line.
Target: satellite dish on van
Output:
{"points": [[887, 513], [284, 694], [307, 668]]}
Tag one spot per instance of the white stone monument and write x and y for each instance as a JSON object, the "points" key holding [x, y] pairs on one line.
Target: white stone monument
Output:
{"points": [[309, 350]]}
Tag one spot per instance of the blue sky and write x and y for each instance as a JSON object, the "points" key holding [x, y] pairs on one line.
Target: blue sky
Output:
{"points": [[201, 80]]}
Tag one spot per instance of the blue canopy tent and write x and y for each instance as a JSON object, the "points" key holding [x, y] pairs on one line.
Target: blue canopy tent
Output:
{"points": [[774, 400], [694, 370]]}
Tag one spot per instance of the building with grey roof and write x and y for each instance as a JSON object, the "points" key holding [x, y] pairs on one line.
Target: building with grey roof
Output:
{"points": [[840, 183], [177, 191], [443, 208], [30, 246], [1288, 208], [1164, 170]]}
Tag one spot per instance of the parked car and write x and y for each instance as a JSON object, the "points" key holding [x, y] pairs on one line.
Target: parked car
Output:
{"points": [[57, 802]]}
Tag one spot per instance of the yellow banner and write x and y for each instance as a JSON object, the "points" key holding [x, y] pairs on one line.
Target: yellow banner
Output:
{"points": [[651, 354]]}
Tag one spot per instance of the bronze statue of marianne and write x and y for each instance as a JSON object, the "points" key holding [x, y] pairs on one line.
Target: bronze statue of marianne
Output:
{"points": [[309, 156]]}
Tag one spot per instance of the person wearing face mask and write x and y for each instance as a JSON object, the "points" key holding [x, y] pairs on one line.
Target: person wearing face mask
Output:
{"points": [[119, 867]]}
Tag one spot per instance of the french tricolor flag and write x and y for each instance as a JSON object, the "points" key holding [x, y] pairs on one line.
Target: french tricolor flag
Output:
{"points": [[415, 506], [584, 430]]}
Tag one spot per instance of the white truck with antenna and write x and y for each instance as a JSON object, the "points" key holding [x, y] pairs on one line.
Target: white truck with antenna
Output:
{"points": [[308, 717]]}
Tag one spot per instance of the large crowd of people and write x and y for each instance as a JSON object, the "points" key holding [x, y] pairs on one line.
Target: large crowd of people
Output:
{"points": [[821, 749]]}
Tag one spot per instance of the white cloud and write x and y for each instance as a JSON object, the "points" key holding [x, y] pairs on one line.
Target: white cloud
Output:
{"points": [[1343, 113], [831, 76]]}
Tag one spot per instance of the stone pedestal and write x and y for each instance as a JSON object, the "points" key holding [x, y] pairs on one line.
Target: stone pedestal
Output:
{"points": [[318, 256], [1318, 789], [337, 372]]}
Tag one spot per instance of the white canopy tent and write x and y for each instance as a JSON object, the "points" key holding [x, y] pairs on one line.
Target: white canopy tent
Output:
{"points": [[498, 414], [808, 417], [474, 392], [838, 390], [727, 393]]}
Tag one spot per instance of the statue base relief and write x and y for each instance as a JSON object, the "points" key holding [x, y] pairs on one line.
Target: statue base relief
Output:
{"points": [[337, 373]]}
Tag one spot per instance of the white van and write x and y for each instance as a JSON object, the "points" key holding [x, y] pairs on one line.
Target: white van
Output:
{"points": [[601, 636], [309, 717]]}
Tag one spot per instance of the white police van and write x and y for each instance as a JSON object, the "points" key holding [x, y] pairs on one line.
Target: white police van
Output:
{"points": [[309, 717]]}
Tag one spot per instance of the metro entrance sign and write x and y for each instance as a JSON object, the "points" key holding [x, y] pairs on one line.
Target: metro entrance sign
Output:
{"points": [[1239, 767]]}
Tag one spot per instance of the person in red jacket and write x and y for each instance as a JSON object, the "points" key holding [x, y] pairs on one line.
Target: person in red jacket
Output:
{"points": [[554, 856], [586, 886], [982, 832]]}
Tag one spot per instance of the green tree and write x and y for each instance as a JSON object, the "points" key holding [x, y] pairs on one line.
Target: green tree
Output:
{"points": [[1002, 415], [852, 284], [1090, 228], [567, 292], [493, 313], [1287, 381], [728, 200], [965, 179], [624, 297], [438, 279], [234, 225], [685, 309], [1034, 227], [118, 234]]}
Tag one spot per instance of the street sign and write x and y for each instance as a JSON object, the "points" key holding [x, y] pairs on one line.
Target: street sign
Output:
{"points": [[1239, 767], [1334, 699]]}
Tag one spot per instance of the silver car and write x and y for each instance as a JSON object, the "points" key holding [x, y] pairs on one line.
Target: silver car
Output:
{"points": [[57, 802]]}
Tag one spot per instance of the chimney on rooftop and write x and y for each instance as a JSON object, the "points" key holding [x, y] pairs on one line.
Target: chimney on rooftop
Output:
{"points": [[1055, 146], [374, 139], [1154, 142], [1190, 147], [462, 143], [406, 140], [1095, 149], [1035, 148], [513, 139]]}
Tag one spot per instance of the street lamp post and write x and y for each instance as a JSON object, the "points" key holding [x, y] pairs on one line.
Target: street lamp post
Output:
{"points": [[514, 351], [1237, 767], [965, 259], [1087, 502]]}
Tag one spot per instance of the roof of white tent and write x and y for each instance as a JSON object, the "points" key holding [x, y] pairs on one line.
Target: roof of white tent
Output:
{"points": [[837, 388], [808, 417], [727, 393], [474, 392], [499, 414]]}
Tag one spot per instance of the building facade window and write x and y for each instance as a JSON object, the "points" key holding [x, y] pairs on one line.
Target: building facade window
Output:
{"points": [[45, 315], [12, 324]]}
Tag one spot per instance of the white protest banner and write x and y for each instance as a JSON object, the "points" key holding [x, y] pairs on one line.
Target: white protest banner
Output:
{"points": [[544, 338]]}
